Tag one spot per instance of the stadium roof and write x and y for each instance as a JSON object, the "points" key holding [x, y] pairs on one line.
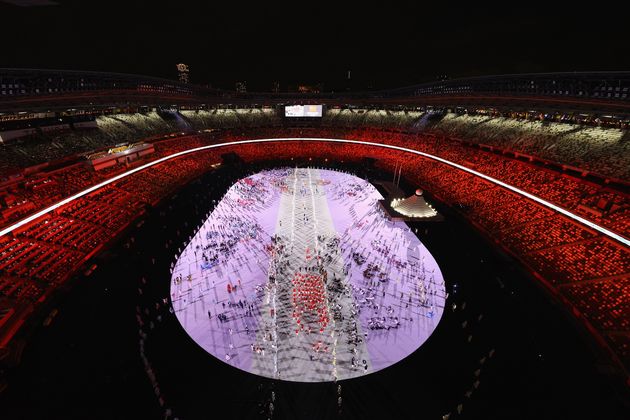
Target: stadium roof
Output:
{"points": [[34, 89]]}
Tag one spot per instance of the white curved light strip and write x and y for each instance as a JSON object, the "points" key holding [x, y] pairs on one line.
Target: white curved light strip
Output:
{"points": [[545, 203]]}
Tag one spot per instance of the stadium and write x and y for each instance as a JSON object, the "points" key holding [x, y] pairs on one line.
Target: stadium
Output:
{"points": [[451, 249]]}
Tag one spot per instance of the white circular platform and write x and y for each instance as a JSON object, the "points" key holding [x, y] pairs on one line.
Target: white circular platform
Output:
{"points": [[297, 275]]}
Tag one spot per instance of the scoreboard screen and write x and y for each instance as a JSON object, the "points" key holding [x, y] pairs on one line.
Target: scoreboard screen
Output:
{"points": [[303, 111]]}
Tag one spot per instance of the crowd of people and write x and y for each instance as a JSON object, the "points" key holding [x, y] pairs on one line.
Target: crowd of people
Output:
{"points": [[329, 293], [152, 315], [492, 208], [557, 249]]}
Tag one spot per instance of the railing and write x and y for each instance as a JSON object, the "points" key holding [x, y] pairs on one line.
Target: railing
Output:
{"points": [[35, 82], [602, 85]]}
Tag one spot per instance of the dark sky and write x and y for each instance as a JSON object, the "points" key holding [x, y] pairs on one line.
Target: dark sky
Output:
{"points": [[385, 43]]}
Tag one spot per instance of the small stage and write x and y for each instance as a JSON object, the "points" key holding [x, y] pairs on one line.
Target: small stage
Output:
{"points": [[392, 192]]}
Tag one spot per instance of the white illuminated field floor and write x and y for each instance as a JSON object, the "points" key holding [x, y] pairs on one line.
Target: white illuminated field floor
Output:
{"points": [[297, 275]]}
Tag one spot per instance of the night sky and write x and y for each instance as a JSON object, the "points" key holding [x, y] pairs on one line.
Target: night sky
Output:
{"points": [[384, 44]]}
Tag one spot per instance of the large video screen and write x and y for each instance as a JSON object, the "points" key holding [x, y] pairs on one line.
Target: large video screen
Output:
{"points": [[303, 111]]}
